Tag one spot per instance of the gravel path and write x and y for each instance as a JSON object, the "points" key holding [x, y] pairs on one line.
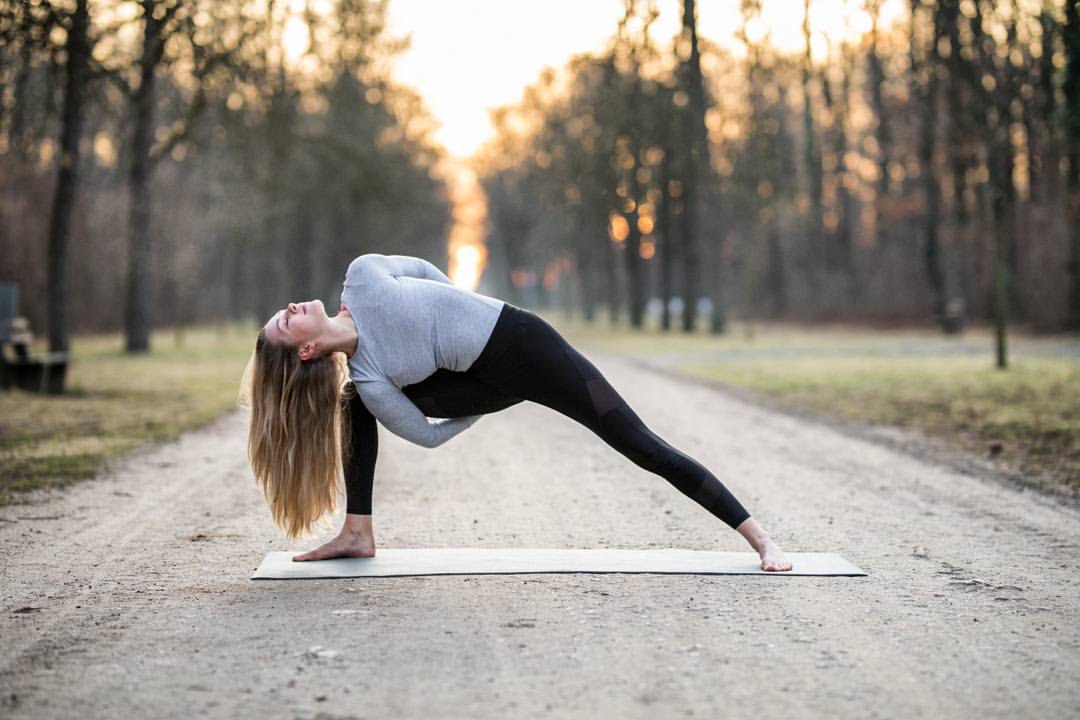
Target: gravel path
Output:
{"points": [[128, 596]]}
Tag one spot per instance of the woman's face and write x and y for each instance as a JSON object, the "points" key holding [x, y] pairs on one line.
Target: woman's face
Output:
{"points": [[296, 323]]}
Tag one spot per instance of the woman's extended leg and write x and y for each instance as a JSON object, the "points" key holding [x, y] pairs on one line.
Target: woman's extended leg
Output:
{"points": [[527, 358], [443, 394]]}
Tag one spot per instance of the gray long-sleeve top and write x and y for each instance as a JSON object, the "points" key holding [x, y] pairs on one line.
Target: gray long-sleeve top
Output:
{"points": [[411, 321]]}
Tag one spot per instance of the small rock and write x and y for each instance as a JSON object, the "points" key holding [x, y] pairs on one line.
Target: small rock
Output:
{"points": [[318, 652]]}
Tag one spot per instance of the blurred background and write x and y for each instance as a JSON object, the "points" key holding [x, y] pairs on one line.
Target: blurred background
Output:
{"points": [[165, 163]]}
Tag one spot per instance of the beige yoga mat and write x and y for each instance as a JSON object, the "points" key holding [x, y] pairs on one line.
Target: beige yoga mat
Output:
{"points": [[396, 562]]}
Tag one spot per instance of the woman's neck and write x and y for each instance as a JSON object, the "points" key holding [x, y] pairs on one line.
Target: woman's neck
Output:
{"points": [[340, 335]]}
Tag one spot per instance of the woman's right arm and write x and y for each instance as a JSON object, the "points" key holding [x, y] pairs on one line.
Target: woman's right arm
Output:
{"points": [[400, 416]]}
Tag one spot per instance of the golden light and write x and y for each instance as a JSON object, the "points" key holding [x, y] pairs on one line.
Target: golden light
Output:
{"points": [[104, 150], [46, 150], [645, 224], [648, 248], [295, 38], [756, 30], [618, 227], [468, 254], [466, 265]]}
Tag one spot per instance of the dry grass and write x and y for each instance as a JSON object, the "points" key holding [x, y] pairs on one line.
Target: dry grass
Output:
{"points": [[1027, 416], [116, 402]]}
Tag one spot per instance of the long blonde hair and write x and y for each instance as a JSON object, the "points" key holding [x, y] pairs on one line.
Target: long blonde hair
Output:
{"points": [[298, 432]]}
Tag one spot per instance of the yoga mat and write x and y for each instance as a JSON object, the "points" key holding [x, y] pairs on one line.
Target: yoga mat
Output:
{"points": [[395, 562]]}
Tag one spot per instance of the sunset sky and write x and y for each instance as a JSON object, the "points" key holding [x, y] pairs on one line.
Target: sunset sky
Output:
{"points": [[468, 56]]}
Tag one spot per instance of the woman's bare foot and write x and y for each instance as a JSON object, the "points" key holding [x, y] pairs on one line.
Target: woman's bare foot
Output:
{"points": [[356, 539], [772, 557]]}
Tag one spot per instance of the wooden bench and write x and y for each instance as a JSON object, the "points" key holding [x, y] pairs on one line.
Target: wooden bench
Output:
{"points": [[44, 372]]}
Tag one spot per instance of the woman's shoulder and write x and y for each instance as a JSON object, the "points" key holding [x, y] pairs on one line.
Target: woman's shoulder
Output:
{"points": [[366, 265]]}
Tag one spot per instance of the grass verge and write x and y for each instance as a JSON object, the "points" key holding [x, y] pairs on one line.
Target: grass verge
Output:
{"points": [[117, 402], [1026, 417]]}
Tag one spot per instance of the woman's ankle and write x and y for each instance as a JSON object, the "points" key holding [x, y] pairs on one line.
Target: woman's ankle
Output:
{"points": [[357, 525], [757, 536]]}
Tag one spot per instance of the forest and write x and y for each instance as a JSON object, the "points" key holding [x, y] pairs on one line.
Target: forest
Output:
{"points": [[165, 163]]}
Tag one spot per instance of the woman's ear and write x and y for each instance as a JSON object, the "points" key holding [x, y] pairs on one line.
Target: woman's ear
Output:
{"points": [[307, 351]]}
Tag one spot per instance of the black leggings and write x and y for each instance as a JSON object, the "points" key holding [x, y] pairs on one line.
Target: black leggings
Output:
{"points": [[526, 359]]}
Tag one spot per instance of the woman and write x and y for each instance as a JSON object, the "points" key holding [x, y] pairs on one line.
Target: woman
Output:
{"points": [[415, 346]]}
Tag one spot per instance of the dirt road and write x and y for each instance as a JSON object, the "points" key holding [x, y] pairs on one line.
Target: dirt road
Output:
{"points": [[128, 596]]}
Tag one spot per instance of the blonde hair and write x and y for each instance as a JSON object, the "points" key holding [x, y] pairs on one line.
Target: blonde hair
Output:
{"points": [[298, 432]]}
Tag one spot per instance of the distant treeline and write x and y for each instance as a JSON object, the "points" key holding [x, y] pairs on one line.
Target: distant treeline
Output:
{"points": [[173, 161], [168, 162], [922, 171]]}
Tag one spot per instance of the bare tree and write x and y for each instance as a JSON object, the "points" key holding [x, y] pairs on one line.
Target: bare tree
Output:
{"points": [[925, 68], [698, 169], [882, 127], [77, 48], [162, 23], [1071, 33], [811, 151]]}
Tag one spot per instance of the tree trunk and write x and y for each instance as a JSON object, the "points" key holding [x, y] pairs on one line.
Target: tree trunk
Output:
{"points": [[1004, 95], [584, 260], [635, 282], [811, 153], [1050, 153], [924, 71], [1072, 147], [78, 55], [635, 286], [839, 256], [666, 244], [996, 106], [140, 291], [961, 134], [1000, 274], [17, 127], [882, 131], [693, 191], [777, 279], [611, 272], [718, 285]]}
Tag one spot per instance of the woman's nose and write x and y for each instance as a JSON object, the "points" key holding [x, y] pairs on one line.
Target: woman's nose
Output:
{"points": [[292, 307]]}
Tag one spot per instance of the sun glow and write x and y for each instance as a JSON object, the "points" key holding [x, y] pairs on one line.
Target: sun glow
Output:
{"points": [[467, 263], [296, 38], [468, 254]]}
